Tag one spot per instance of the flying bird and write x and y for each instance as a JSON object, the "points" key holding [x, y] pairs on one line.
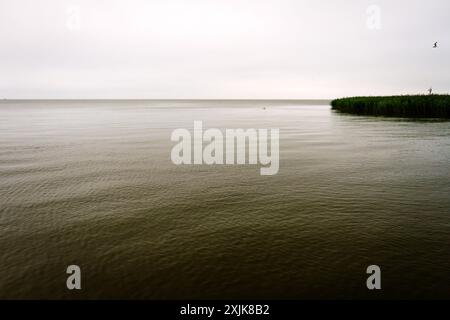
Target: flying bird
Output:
{"points": [[435, 45]]}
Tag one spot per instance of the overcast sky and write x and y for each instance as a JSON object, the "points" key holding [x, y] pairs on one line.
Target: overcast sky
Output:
{"points": [[222, 48]]}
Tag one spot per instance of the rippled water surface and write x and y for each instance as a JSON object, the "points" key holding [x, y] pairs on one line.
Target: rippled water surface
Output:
{"points": [[92, 184]]}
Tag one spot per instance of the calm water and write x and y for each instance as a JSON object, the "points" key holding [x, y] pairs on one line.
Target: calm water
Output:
{"points": [[92, 184]]}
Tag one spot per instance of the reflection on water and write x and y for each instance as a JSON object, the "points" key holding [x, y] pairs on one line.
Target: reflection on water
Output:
{"points": [[92, 184]]}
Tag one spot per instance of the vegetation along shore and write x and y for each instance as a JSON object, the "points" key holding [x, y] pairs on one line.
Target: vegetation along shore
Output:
{"points": [[411, 106]]}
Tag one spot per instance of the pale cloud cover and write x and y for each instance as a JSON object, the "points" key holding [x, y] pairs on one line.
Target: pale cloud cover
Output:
{"points": [[221, 49]]}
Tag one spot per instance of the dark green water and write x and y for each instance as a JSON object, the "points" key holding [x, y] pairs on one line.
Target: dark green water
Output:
{"points": [[92, 184]]}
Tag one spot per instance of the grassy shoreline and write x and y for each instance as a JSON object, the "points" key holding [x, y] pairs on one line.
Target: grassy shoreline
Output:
{"points": [[408, 106]]}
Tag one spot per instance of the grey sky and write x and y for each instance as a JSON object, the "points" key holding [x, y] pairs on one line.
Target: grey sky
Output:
{"points": [[222, 48]]}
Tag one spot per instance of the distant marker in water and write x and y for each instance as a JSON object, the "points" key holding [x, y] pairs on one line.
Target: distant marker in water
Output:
{"points": [[435, 45]]}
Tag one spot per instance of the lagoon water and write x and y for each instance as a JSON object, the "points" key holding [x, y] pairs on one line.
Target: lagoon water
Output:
{"points": [[91, 183]]}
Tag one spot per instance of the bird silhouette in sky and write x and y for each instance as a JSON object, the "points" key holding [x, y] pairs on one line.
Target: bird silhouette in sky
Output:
{"points": [[435, 45]]}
